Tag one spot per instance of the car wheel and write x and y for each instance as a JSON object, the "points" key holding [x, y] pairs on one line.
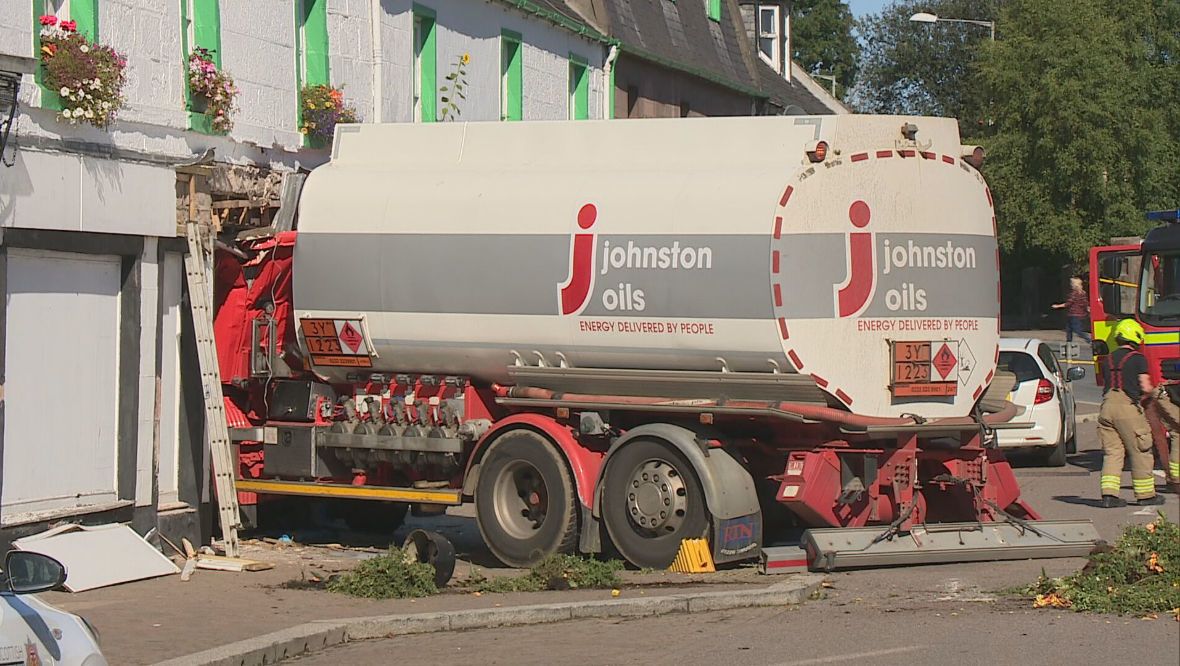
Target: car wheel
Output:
{"points": [[1056, 455]]}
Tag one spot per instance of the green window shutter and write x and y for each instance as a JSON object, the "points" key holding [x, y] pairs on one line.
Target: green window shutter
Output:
{"points": [[313, 36], [426, 62], [579, 88], [715, 10], [512, 75], [204, 16], [85, 14]]}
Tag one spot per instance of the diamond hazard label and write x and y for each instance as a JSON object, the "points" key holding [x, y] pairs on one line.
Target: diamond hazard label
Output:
{"points": [[352, 338], [944, 361]]}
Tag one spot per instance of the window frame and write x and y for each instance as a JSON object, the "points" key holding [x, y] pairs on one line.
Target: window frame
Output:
{"points": [[200, 26], [425, 64], [578, 87], [312, 62], [82, 12], [511, 76], [713, 9], [775, 59]]}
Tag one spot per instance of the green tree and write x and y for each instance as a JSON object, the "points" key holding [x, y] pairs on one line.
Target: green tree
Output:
{"points": [[822, 40], [1086, 123], [921, 68]]}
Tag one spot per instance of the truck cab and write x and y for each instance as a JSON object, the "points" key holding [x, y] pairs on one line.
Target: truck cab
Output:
{"points": [[1141, 282]]}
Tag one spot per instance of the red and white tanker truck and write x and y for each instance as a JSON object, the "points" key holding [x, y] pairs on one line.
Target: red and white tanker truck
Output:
{"points": [[631, 333]]}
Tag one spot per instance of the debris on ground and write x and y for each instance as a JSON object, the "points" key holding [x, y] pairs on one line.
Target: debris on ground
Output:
{"points": [[1138, 575], [392, 575], [556, 572]]}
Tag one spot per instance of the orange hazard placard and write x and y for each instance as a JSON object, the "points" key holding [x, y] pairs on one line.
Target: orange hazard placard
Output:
{"points": [[335, 342], [913, 363]]}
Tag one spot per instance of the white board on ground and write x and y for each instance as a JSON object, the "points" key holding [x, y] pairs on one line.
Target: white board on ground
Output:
{"points": [[99, 556]]}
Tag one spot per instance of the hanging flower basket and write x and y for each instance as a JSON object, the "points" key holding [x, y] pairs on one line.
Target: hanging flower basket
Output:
{"points": [[213, 90], [89, 77], [323, 109]]}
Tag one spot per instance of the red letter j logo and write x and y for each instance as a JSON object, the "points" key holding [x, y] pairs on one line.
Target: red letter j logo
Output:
{"points": [[576, 289], [854, 294]]}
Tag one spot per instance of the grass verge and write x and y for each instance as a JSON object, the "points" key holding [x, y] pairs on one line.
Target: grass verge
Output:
{"points": [[556, 572]]}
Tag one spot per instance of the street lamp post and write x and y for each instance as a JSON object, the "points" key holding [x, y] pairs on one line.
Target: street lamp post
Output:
{"points": [[924, 17]]}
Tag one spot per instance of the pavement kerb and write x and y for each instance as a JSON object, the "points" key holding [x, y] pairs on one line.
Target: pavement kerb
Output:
{"points": [[274, 647]]}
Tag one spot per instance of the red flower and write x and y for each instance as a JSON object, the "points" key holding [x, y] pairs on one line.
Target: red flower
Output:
{"points": [[69, 26], [48, 19]]}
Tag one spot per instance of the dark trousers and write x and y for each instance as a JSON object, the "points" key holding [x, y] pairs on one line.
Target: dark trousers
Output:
{"points": [[1076, 325]]}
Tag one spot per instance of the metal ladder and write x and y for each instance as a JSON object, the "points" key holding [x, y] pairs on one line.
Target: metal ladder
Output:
{"points": [[198, 266]]}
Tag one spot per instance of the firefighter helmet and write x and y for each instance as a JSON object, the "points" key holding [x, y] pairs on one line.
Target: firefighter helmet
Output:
{"points": [[1129, 330]]}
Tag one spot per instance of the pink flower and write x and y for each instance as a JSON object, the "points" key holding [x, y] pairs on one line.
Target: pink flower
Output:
{"points": [[69, 26], [48, 19]]}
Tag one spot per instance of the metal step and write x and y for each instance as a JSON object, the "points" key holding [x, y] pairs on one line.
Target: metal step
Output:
{"points": [[851, 548]]}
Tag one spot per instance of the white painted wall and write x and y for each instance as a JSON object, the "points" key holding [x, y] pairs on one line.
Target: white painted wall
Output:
{"points": [[74, 193], [16, 29], [60, 431], [258, 48], [474, 28]]}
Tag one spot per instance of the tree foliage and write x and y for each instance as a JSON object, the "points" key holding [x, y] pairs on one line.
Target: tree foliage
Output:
{"points": [[922, 68], [1084, 119], [822, 41]]}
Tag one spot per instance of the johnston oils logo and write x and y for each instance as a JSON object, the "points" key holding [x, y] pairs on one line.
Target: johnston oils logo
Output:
{"points": [[894, 257], [593, 259]]}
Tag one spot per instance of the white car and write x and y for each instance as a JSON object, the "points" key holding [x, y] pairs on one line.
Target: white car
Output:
{"points": [[32, 631], [1044, 391]]}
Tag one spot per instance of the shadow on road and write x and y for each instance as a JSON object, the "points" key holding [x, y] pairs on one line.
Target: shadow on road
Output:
{"points": [[1074, 499], [1088, 460]]}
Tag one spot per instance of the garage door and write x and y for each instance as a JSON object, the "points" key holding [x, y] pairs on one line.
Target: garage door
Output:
{"points": [[61, 398]]}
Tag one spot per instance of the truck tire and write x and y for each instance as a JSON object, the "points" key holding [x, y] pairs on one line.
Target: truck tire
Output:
{"points": [[651, 501], [525, 504]]}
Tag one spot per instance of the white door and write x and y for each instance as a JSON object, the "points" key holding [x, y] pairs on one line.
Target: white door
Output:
{"points": [[170, 379], [61, 388]]}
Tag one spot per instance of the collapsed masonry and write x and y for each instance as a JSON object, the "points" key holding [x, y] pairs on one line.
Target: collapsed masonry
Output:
{"points": [[235, 198]]}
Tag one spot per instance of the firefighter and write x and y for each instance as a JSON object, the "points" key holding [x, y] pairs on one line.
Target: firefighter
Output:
{"points": [[1122, 425], [1167, 402]]}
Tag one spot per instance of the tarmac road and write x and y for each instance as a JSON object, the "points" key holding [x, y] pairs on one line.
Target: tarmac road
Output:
{"points": [[915, 615]]}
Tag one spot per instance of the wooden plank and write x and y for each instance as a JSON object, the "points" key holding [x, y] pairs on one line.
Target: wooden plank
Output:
{"points": [[246, 203], [221, 563]]}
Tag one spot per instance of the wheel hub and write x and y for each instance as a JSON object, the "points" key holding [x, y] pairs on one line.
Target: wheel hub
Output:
{"points": [[656, 497], [522, 500]]}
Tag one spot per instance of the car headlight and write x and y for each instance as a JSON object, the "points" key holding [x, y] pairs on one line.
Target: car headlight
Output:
{"points": [[92, 629]]}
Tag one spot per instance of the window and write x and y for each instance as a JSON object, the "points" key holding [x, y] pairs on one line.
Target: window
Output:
{"points": [[1160, 291], [511, 84], [579, 89], [715, 10], [1047, 357], [1020, 364], [82, 12], [311, 43], [425, 75], [1117, 273], [201, 20], [311, 51], [769, 41]]}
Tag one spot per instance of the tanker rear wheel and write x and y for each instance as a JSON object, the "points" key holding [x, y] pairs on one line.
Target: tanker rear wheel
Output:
{"points": [[652, 501], [525, 504]]}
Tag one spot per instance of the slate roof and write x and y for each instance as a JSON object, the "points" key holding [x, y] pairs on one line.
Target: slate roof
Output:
{"points": [[784, 93], [681, 34]]}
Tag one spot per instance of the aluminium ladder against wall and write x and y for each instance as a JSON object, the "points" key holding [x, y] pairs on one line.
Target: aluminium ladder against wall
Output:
{"points": [[198, 265]]}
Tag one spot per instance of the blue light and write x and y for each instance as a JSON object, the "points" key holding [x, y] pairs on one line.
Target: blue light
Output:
{"points": [[1164, 215]]}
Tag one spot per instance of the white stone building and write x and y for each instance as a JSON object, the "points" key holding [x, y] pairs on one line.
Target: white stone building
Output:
{"points": [[100, 411]]}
